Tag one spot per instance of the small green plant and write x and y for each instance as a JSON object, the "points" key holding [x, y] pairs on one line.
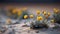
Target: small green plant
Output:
{"points": [[40, 20], [56, 15]]}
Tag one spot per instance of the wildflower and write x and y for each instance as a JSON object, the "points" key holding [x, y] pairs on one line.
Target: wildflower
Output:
{"points": [[19, 13], [39, 18], [44, 12], [48, 13], [31, 16], [25, 16], [56, 10], [38, 12], [52, 21]]}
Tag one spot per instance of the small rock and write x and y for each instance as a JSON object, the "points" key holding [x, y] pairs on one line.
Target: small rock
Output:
{"points": [[25, 26], [37, 31]]}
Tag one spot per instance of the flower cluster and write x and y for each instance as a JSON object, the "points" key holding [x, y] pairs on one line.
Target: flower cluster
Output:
{"points": [[46, 14]]}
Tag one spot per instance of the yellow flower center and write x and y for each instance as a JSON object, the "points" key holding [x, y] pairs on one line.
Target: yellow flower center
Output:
{"points": [[38, 12], [31, 16], [39, 18], [25, 16], [48, 13], [44, 13]]}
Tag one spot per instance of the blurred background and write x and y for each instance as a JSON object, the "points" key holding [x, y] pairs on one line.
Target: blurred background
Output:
{"points": [[25, 7]]}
